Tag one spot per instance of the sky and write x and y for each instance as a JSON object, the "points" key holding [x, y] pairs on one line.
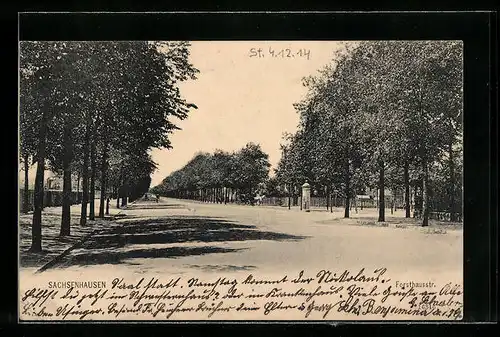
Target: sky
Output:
{"points": [[242, 98]]}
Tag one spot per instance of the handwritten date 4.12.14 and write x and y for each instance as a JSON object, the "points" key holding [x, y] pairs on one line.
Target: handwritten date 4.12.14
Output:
{"points": [[280, 53]]}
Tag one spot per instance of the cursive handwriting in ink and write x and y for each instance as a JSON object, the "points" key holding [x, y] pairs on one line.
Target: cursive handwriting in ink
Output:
{"points": [[325, 294]]}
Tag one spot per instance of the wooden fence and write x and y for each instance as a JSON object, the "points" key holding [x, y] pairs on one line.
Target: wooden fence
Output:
{"points": [[444, 216], [322, 202]]}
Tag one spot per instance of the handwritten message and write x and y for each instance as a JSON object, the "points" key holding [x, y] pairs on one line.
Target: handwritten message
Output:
{"points": [[323, 295]]}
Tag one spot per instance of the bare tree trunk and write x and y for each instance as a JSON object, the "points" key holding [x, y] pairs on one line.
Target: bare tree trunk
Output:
{"points": [[85, 195], [356, 201], [451, 192], [347, 206], [26, 192], [381, 186], [299, 197], [66, 195], [124, 194], [92, 180], [36, 228], [124, 200], [393, 201], [118, 190], [425, 194], [85, 174], [347, 190], [289, 196], [331, 203], [78, 187], [415, 199], [407, 188], [327, 198], [103, 178], [425, 177]]}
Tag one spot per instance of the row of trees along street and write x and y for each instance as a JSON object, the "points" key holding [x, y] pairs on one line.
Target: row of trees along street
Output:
{"points": [[96, 110], [383, 115], [219, 177]]}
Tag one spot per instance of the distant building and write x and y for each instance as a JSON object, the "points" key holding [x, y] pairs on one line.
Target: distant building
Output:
{"points": [[55, 183]]}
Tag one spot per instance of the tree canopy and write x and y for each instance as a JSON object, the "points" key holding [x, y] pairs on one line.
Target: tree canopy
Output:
{"points": [[380, 112], [241, 170], [98, 108]]}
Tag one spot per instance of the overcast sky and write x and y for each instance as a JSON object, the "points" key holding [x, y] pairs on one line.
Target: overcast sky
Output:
{"points": [[240, 98]]}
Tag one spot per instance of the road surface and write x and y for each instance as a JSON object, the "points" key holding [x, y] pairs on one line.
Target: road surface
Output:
{"points": [[182, 237]]}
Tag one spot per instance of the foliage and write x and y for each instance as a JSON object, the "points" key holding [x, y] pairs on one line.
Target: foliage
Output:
{"points": [[379, 107], [244, 170], [114, 100]]}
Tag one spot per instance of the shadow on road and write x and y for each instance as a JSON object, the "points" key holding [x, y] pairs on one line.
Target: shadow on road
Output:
{"points": [[105, 247], [222, 268], [110, 257]]}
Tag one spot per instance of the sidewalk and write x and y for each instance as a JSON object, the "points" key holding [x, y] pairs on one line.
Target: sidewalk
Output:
{"points": [[52, 244]]}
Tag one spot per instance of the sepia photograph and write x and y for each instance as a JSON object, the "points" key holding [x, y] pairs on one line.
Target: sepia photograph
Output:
{"points": [[240, 180]]}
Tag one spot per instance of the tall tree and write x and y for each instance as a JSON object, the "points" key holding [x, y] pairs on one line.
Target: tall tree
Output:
{"points": [[382, 114], [104, 95], [28, 134], [41, 72]]}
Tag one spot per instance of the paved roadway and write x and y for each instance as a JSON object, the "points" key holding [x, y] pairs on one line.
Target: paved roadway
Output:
{"points": [[181, 237]]}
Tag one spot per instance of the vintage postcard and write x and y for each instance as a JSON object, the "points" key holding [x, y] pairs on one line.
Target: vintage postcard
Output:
{"points": [[240, 180]]}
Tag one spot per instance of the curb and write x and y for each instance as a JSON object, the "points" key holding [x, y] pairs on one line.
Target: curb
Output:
{"points": [[78, 244]]}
